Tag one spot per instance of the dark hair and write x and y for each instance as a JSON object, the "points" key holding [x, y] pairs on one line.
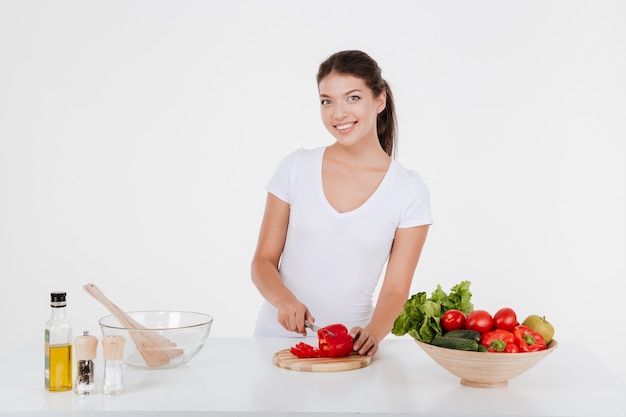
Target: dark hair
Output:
{"points": [[361, 65]]}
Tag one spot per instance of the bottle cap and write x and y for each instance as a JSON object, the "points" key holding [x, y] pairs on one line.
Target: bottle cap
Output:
{"points": [[86, 346], [113, 347], [57, 299]]}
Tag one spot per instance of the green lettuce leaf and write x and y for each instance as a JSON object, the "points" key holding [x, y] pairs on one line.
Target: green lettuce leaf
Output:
{"points": [[421, 316]]}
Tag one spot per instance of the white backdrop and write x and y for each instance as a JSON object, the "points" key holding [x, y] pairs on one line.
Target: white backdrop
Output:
{"points": [[136, 138]]}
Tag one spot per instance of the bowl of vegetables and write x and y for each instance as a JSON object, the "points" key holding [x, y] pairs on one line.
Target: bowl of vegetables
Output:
{"points": [[485, 369], [482, 350]]}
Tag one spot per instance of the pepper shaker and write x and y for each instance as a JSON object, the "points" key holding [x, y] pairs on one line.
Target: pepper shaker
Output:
{"points": [[86, 346], [113, 347]]}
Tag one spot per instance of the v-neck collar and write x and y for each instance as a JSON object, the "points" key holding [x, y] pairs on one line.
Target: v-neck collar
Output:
{"points": [[320, 187]]}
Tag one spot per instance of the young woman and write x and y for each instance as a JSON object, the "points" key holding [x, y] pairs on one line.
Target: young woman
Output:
{"points": [[335, 215]]}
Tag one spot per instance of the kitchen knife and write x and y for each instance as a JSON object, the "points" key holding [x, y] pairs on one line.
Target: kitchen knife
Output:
{"points": [[316, 328], [311, 326]]}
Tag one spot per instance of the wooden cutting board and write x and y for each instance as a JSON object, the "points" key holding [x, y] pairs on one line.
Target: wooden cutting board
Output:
{"points": [[285, 359]]}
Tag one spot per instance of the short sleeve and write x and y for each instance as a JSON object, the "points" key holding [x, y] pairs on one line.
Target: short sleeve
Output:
{"points": [[417, 208], [279, 183]]}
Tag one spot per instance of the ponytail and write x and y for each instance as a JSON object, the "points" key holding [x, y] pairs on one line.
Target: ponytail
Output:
{"points": [[387, 125]]}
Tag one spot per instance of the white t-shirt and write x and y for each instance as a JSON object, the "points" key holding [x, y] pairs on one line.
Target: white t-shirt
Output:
{"points": [[333, 261]]}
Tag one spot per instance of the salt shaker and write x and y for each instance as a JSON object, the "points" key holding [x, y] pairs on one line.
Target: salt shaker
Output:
{"points": [[113, 347], [86, 346]]}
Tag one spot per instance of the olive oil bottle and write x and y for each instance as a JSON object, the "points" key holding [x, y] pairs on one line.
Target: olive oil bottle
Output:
{"points": [[58, 346]]}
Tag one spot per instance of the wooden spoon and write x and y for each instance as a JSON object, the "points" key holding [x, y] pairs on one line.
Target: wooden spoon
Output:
{"points": [[156, 349]]}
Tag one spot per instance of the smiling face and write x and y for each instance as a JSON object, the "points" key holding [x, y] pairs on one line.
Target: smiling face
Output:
{"points": [[349, 109]]}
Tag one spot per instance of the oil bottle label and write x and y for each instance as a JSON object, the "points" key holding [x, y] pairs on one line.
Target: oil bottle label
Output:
{"points": [[47, 359]]}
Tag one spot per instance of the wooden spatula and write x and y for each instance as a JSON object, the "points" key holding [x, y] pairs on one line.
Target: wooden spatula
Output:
{"points": [[156, 349]]}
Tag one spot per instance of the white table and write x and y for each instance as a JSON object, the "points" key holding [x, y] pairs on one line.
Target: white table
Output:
{"points": [[236, 377]]}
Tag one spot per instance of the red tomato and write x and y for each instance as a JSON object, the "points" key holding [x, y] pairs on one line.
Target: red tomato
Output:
{"points": [[480, 321], [505, 319], [453, 320]]}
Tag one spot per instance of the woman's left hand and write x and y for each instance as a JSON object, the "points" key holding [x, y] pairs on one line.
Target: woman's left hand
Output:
{"points": [[363, 341]]}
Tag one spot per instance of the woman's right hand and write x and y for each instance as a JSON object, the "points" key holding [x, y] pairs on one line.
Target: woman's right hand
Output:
{"points": [[291, 316]]}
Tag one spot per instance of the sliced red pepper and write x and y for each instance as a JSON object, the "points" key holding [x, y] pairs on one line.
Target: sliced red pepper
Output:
{"points": [[527, 340], [298, 352], [304, 350], [334, 341], [497, 340]]}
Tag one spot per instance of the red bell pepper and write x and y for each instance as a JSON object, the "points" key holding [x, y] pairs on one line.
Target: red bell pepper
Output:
{"points": [[527, 340], [511, 348], [334, 341], [497, 340]]}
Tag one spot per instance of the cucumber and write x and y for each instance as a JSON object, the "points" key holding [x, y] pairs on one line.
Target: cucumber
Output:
{"points": [[457, 343], [464, 334]]}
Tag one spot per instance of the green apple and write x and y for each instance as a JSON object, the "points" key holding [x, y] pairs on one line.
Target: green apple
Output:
{"points": [[539, 324]]}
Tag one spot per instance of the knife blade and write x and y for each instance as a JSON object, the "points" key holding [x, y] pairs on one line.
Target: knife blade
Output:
{"points": [[317, 328], [311, 326]]}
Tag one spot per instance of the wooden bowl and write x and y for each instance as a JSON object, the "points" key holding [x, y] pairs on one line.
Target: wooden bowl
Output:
{"points": [[485, 369]]}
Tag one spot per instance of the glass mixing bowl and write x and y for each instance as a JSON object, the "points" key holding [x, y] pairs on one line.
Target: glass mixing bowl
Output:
{"points": [[168, 338]]}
